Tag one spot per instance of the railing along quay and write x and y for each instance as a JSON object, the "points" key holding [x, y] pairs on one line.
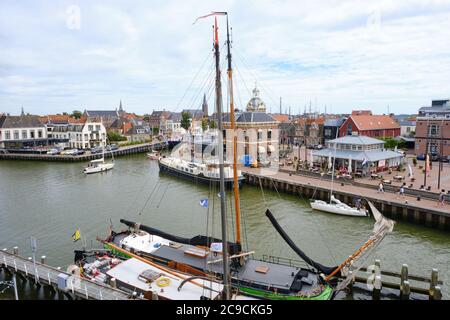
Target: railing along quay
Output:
{"points": [[397, 209], [70, 285], [123, 151]]}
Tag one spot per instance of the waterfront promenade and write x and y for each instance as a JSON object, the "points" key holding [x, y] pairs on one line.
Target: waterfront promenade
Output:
{"points": [[408, 207]]}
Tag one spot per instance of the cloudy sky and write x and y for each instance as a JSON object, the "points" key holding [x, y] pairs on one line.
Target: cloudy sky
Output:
{"points": [[62, 55]]}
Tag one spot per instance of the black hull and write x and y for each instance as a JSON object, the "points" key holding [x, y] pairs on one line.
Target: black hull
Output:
{"points": [[229, 183]]}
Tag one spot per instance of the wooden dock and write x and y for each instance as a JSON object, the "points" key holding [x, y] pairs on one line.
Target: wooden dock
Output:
{"points": [[123, 151], [42, 274], [407, 208], [379, 283]]}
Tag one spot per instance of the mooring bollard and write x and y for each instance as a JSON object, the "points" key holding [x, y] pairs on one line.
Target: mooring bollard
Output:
{"points": [[112, 283], [406, 291], [43, 258], [376, 293], [377, 267], [403, 278], [433, 282], [437, 293], [16, 251], [5, 250]]}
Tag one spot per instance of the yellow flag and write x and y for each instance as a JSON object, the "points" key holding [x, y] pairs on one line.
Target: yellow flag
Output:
{"points": [[76, 236]]}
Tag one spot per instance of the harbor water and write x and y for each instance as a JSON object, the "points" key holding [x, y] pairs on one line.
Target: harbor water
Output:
{"points": [[51, 200]]}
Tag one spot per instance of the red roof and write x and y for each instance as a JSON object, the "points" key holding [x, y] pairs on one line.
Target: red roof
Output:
{"points": [[367, 122], [281, 117]]}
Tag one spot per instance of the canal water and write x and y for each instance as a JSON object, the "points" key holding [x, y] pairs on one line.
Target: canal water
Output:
{"points": [[51, 200]]}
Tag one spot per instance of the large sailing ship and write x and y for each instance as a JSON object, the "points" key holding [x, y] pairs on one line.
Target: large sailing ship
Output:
{"points": [[207, 257]]}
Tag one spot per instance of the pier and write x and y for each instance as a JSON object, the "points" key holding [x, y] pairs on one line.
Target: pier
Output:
{"points": [[408, 208], [40, 274], [381, 283], [122, 151]]}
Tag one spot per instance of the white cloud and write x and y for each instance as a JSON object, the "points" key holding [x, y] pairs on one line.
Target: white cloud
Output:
{"points": [[146, 53]]}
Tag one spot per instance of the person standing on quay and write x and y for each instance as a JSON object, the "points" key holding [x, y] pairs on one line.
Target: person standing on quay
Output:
{"points": [[442, 198], [401, 192], [381, 188]]}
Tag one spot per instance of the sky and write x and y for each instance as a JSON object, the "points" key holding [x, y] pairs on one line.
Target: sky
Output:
{"points": [[59, 56]]}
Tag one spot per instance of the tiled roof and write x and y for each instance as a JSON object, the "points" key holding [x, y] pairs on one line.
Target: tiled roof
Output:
{"points": [[20, 122], [366, 122], [102, 113], [254, 117], [281, 117]]}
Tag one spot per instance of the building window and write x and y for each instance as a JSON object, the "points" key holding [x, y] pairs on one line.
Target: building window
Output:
{"points": [[349, 129], [16, 134], [433, 148], [39, 134], [32, 134], [24, 134], [7, 135], [97, 127], [433, 130], [90, 127], [327, 132]]}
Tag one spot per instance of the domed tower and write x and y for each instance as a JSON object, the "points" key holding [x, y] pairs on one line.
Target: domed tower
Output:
{"points": [[256, 104]]}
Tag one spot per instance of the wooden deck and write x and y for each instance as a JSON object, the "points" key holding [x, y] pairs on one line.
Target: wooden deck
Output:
{"points": [[46, 275]]}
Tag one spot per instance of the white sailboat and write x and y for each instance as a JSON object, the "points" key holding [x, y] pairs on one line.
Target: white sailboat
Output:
{"points": [[99, 165], [334, 205]]}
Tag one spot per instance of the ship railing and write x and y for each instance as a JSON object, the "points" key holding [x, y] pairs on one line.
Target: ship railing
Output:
{"points": [[284, 261]]}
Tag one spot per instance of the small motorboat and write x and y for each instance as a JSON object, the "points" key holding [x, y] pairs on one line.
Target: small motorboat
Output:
{"points": [[153, 155], [338, 207]]}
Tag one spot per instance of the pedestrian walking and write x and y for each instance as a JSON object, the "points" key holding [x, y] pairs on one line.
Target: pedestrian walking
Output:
{"points": [[401, 192], [381, 188], [442, 198]]}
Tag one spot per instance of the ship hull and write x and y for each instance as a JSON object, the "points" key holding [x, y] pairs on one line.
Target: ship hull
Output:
{"points": [[197, 178]]}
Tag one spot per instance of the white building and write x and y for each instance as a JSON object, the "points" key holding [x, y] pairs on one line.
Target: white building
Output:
{"points": [[407, 128], [86, 135], [21, 131]]}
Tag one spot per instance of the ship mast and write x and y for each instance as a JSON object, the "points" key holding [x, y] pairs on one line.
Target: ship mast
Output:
{"points": [[226, 266], [233, 127]]}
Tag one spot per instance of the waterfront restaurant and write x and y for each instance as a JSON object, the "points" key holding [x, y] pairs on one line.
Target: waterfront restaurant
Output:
{"points": [[366, 155]]}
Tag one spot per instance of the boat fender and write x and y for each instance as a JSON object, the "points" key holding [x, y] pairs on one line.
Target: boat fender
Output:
{"points": [[163, 282]]}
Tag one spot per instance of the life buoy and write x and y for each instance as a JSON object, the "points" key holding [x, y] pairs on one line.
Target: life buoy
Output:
{"points": [[163, 282]]}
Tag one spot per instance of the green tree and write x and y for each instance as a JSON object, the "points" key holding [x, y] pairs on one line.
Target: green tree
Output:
{"points": [[185, 120], [77, 114], [213, 124], [114, 137], [204, 124]]}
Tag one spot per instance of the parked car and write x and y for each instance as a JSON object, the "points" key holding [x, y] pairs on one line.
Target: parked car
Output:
{"points": [[79, 153], [112, 147], [53, 151], [421, 157], [96, 150], [71, 152]]}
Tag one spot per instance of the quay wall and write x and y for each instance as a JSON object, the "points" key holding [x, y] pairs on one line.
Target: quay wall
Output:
{"points": [[81, 158], [395, 210]]}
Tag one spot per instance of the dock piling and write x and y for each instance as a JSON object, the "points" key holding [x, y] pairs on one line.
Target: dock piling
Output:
{"points": [[43, 259], [406, 291], [376, 293], [433, 283], [16, 251], [437, 293], [403, 278]]}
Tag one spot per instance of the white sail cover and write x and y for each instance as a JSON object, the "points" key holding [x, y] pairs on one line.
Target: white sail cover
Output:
{"points": [[382, 227]]}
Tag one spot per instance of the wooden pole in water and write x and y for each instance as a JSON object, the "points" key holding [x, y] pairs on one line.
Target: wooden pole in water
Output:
{"points": [[406, 290], [403, 279], [433, 283]]}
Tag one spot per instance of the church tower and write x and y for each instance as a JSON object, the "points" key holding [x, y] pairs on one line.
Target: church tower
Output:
{"points": [[205, 106]]}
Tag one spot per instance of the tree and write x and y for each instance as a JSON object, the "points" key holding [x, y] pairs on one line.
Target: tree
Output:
{"points": [[213, 124], [114, 137], [77, 114], [185, 120], [204, 124]]}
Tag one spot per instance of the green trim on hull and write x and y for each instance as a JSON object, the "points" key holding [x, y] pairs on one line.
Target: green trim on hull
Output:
{"points": [[326, 294]]}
